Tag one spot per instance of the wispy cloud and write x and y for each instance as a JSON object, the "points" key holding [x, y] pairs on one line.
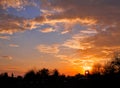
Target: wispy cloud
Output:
{"points": [[50, 49], [13, 45], [91, 31], [88, 12], [5, 37], [98, 47], [14, 24], [74, 44], [18, 4], [7, 57], [47, 30]]}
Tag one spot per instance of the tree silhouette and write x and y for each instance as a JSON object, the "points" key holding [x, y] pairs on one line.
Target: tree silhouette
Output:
{"points": [[29, 75], [44, 72], [113, 66], [4, 75], [55, 73], [44, 79]]}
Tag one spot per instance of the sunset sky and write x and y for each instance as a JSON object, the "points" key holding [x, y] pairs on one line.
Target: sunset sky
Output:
{"points": [[68, 35]]}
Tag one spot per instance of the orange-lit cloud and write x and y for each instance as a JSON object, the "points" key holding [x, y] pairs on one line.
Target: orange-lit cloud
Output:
{"points": [[89, 12], [89, 31], [13, 45], [52, 49], [14, 24], [10, 23], [98, 47], [76, 44], [47, 30], [68, 22], [18, 4], [72, 44], [78, 64], [5, 37], [6, 57], [81, 9]]}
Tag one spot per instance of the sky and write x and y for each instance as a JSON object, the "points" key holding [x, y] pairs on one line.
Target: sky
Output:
{"points": [[68, 35]]}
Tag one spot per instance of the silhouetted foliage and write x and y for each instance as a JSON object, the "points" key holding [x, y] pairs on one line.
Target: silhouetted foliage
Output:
{"points": [[44, 79], [113, 66], [44, 72], [30, 75], [55, 73]]}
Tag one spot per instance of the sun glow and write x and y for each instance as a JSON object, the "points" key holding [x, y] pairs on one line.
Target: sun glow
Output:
{"points": [[87, 68]]}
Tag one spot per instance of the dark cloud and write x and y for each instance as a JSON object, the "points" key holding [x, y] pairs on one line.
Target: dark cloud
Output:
{"points": [[106, 11], [10, 24]]}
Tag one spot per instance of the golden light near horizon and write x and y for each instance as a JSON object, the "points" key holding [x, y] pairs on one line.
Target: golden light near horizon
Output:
{"points": [[87, 67]]}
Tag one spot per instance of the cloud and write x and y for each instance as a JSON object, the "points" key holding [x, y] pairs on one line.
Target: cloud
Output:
{"points": [[14, 24], [13, 45], [91, 31], [5, 37], [76, 62], [86, 13], [98, 47], [18, 4], [67, 23], [47, 30], [7, 57], [76, 42], [72, 44], [53, 49], [88, 8]]}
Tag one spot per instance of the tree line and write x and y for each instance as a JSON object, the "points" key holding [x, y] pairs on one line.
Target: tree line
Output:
{"points": [[102, 76]]}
